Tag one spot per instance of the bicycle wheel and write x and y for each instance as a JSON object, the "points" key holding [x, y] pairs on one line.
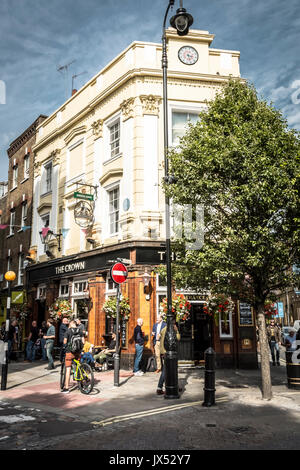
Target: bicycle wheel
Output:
{"points": [[62, 375], [86, 383]]}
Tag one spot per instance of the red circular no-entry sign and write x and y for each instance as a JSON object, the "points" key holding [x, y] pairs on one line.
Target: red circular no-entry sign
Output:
{"points": [[119, 273]]}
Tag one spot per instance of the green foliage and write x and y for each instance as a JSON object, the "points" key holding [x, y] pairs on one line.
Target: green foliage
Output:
{"points": [[242, 162]]}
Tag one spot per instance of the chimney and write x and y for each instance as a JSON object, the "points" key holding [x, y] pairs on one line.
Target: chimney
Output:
{"points": [[74, 91]]}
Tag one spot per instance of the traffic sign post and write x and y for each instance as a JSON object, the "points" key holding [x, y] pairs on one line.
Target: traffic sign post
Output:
{"points": [[119, 275]]}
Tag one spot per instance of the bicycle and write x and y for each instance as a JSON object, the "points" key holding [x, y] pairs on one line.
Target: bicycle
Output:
{"points": [[81, 373]]}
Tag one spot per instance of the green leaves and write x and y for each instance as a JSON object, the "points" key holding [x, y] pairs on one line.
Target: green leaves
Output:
{"points": [[242, 162]]}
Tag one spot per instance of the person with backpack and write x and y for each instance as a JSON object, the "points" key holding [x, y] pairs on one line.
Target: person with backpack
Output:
{"points": [[50, 337], [73, 341]]}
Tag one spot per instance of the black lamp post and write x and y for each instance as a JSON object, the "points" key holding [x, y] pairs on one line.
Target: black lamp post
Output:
{"points": [[181, 22], [10, 276]]}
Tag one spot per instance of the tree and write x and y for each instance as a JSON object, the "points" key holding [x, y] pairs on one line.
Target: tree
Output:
{"points": [[241, 161]]}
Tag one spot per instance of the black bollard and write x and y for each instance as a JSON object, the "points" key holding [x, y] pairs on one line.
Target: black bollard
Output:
{"points": [[209, 378]]}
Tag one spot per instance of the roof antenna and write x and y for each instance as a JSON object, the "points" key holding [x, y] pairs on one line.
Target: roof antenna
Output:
{"points": [[73, 77], [64, 69]]}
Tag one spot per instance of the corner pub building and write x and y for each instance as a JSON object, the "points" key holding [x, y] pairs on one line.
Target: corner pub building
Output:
{"points": [[106, 143]]}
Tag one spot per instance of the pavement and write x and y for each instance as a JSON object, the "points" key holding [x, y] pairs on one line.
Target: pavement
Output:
{"points": [[35, 415]]}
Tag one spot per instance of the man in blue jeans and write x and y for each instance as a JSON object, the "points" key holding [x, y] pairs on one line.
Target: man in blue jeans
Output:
{"points": [[139, 347]]}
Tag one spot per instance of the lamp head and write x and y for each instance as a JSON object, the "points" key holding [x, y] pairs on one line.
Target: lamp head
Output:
{"points": [[181, 21], [10, 276]]}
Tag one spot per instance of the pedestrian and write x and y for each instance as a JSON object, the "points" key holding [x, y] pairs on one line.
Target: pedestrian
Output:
{"points": [[102, 355], [161, 381], [156, 331], [80, 325], [290, 341], [11, 338], [50, 337], [273, 335], [71, 353], [31, 342], [43, 332], [62, 330], [139, 347]]}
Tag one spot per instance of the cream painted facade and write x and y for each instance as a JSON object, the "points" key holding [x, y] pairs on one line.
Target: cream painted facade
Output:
{"points": [[122, 103]]}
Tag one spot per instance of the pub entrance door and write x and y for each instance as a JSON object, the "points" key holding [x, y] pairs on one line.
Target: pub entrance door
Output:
{"points": [[196, 335]]}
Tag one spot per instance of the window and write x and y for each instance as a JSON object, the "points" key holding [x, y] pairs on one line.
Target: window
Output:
{"points": [[48, 170], [226, 326], [113, 210], [24, 213], [80, 287], [114, 131], [64, 290], [41, 294], [15, 176], [26, 165], [12, 223], [21, 269], [180, 123]]}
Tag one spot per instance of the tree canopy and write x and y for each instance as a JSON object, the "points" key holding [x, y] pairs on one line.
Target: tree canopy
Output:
{"points": [[241, 161]]}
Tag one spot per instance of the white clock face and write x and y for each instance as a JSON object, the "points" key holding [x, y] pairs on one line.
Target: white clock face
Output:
{"points": [[188, 55]]}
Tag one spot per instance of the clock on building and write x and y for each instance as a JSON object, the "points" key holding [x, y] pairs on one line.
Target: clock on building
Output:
{"points": [[188, 55]]}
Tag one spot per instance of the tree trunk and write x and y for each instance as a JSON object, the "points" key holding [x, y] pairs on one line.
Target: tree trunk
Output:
{"points": [[265, 355]]}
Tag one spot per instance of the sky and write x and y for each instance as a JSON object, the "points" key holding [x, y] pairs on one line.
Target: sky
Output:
{"points": [[39, 36]]}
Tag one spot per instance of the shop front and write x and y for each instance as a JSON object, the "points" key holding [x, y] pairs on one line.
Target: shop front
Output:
{"points": [[84, 280]]}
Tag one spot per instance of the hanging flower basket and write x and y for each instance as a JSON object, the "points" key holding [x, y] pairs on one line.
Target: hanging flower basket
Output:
{"points": [[110, 308], [218, 306], [270, 308], [180, 306], [61, 308], [21, 312]]}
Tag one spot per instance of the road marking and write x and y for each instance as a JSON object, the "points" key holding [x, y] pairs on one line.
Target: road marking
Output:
{"points": [[142, 414], [16, 418]]}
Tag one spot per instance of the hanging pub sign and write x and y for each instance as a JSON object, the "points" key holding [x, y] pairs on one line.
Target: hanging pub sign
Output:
{"points": [[245, 312], [84, 214]]}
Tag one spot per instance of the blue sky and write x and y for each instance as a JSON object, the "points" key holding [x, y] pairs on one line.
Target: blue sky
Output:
{"points": [[36, 36]]}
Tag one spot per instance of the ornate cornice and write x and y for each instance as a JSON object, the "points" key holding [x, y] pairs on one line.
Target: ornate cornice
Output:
{"points": [[127, 109], [55, 155], [150, 104], [97, 128]]}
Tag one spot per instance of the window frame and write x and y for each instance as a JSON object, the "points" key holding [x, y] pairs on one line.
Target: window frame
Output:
{"points": [[12, 222], [15, 176], [230, 334], [110, 190], [26, 165]]}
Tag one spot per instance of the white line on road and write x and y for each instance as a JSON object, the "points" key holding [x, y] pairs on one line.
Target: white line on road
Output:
{"points": [[142, 414]]}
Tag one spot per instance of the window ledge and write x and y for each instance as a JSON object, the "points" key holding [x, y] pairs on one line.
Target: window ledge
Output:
{"points": [[25, 179], [113, 159], [11, 235], [46, 194], [11, 190]]}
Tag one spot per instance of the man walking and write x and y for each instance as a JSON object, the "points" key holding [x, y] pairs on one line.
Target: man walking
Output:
{"points": [[50, 337], [32, 338], [139, 347], [156, 332], [273, 334]]}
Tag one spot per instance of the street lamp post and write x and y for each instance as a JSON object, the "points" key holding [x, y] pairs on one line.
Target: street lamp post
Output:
{"points": [[181, 22], [9, 276]]}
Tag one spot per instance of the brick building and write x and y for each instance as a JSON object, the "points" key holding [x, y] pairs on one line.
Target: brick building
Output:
{"points": [[17, 215]]}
